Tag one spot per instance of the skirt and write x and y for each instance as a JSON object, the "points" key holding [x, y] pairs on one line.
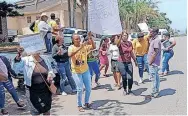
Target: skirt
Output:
{"points": [[40, 97]]}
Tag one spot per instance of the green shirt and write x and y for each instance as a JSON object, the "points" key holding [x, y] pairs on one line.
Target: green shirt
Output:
{"points": [[92, 56]]}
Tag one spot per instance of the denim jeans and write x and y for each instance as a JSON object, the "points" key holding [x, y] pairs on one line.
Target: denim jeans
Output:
{"points": [[126, 71], [146, 64], [94, 67], [65, 71], [142, 61], [10, 87], [153, 70], [48, 43], [80, 79], [167, 55]]}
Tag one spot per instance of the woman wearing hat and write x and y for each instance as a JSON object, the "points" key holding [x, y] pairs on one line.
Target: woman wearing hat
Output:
{"points": [[45, 31], [167, 47]]}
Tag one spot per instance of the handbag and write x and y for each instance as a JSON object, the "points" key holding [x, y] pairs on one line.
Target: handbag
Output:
{"points": [[52, 87]]}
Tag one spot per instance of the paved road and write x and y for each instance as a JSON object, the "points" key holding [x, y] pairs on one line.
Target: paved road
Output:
{"points": [[107, 100]]}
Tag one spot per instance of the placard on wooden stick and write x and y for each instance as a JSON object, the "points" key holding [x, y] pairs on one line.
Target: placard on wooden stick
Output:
{"points": [[32, 43]]}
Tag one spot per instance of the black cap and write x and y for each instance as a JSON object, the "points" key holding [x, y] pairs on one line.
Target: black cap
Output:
{"points": [[140, 35], [52, 15]]}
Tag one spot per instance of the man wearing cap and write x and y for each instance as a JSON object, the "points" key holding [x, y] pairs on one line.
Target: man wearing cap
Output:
{"points": [[167, 47], [45, 31], [154, 58], [55, 27], [140, 47], [60, 54]]}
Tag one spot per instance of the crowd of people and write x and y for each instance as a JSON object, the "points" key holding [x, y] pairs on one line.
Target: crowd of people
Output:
{"points": [[81, 61]]}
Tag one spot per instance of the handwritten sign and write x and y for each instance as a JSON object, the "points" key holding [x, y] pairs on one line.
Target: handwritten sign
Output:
{"points": [[143, 27], [32, 43], [104, 17]]}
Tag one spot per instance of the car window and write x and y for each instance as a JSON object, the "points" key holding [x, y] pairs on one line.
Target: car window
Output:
{"points": [[67, 40], [68, 31], [81, 32]]}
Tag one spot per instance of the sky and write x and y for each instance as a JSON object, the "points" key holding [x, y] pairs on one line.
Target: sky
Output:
{"points": [[176, 11]]}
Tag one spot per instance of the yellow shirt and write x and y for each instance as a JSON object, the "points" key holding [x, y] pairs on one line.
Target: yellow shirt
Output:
{"points": [[36, 30], [140, 48], [53, 24], [79, 60]]}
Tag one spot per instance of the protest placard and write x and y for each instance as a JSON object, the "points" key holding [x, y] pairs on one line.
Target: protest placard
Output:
{"points": [[143, 27], [104, 17], [32, 43]]}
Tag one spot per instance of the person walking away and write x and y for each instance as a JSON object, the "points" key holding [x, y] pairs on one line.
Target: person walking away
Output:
{"points": [[140, 47], [103, 56], [92, 62], [168, 53], [37, 74], [55, 27], [45, 31], [10, 87], [154, 57], [114, 50], [60, 54], [124, 62], [78, 53], [34, 26]]}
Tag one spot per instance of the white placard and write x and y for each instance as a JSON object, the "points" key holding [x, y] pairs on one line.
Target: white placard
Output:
{"points": [[104, 17], [143, 27], [32, 43]]}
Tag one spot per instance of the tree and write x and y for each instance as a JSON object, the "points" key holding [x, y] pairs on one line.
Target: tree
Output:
{"points": [[83, 5], [10, 10]]}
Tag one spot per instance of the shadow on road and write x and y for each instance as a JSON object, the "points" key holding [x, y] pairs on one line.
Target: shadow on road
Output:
{"points": [[108, 87], [174, 72], [166, 92], [161, 80], [139, 91]]}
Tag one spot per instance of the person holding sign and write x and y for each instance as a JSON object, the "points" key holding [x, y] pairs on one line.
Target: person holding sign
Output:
{"points": [[167, 47], [45, 31], [38, 76], [140, 47], [125, 65], [78, 53]]}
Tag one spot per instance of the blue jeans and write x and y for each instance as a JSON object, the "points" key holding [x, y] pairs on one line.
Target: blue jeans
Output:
{"points": [[167, 55], [146, 64], [153, 70], [94, 67], [10, 87], [80, 79], [48, 43], [65, 71], [142, 60]]}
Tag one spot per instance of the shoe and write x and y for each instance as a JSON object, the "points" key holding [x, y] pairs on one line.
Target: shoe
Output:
{"points": [[119, 87], [115, 85], [21, 104], [64, 94], [141, 81], [88, 106], [129, 92], [161, 74], [81, 109], [125, 93], [4, 112], [97, 84]]}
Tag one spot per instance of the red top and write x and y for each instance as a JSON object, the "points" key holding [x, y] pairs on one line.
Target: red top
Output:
{"points": [[125, 50]]}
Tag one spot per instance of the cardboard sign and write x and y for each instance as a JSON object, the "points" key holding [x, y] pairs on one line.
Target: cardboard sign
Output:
{"points": [[32, 43], [143, 27], [104, 17]]}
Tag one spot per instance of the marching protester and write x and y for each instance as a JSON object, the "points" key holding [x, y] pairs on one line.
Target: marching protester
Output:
{"points": [[168, 53], [9, 86], [92, 62], [60, 54], [78, 53], [140, 47], [114, 50], [154, 57], [55, 27], [45, 31], [34, 26], [103, 55], [125, 65], [38, 76]]}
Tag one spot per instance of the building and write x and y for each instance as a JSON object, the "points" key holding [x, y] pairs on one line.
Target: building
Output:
{"points": [[59, 7]]}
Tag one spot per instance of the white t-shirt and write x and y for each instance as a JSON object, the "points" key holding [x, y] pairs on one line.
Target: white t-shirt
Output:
{"points": [[166, 43], [114, 51], [3, 68]]}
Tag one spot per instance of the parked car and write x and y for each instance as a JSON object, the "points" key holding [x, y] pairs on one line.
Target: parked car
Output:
{"points": [[12, 34]]}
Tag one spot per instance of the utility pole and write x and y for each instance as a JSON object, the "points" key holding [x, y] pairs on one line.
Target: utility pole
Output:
{"points": [[69, 10], [74, 13]]}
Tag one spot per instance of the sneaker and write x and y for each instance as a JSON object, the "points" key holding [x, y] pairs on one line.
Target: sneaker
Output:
{"points": [[64, 94], [129, 92], [21, 104], [141, 81], [4, 112], [97, 84], [125, 93], [119, 87]]}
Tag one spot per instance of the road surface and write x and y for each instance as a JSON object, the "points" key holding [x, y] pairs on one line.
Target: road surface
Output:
{"points": [[107, 100]]}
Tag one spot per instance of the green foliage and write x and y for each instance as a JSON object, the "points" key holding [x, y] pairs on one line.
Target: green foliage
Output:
{"points": [[7, 9]]}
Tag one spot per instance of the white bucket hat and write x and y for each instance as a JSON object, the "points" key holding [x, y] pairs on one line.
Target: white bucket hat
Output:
{"points": [[43, 14]]}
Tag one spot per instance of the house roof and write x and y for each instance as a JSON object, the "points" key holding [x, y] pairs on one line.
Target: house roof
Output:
{"points": [[41, 6]]}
